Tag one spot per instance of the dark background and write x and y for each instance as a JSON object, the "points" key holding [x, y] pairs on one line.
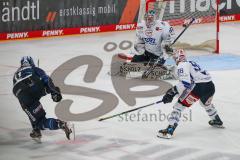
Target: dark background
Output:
{"points": [[47, 6], [63, 22]]}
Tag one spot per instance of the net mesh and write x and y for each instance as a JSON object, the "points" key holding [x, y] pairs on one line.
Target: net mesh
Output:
{"points": [[201, 35]]}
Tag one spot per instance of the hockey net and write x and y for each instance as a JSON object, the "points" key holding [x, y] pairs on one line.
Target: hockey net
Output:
{"points": [[202, 35]]}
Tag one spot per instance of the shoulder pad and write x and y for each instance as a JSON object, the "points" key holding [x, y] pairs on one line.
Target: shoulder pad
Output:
{"points": [[140, 26], [183, 64], [165, 23]]}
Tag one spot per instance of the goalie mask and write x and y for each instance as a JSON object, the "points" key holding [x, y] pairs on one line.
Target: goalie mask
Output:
{"points": [[179, 56], [150, 18]]}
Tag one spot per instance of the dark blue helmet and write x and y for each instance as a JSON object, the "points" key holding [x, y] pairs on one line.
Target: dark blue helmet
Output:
{"points": [[27, 61]]}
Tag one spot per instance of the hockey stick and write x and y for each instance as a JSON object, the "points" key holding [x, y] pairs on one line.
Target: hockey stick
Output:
{"points": [[115, 115], [152, 67], [38, 63], [185, 28]]}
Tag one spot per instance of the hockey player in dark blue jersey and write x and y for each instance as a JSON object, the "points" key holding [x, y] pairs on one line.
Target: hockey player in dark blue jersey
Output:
{"points": [[30, 83]]}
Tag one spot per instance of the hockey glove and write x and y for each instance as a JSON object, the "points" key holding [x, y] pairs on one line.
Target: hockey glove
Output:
{"points": [[161, 61], [56, 95], [168, 97], [168, 49], [139, 48]]}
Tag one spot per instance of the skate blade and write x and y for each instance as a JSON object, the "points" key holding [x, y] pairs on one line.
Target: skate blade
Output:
{"points": [[164, 136], [38, 140], [218, 126], [72, 134]]}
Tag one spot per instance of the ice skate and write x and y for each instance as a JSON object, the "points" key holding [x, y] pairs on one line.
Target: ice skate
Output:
{"points": [[167, 133], [216, 122], [66, 128], [36, 135]]}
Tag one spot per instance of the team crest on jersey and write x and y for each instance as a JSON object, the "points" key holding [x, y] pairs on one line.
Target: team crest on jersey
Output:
{"points": [[148, 32]]}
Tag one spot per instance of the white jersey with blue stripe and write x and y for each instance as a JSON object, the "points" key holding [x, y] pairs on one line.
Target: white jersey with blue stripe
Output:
{"points": [[190, 73], [153, 36]]}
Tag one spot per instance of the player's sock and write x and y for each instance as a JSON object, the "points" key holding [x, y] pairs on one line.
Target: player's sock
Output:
{"points": [[51, 123], [176, 113], [211, 111]]}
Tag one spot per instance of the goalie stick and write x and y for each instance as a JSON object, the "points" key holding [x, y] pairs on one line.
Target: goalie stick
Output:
{"points": [[153, 66], [115, 115]]}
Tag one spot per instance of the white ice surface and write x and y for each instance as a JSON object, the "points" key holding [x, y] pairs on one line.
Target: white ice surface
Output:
{"points": [[112, 139]]}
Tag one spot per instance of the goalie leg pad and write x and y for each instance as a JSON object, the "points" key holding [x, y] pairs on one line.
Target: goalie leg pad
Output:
{"points": [[140, 58], [125, 68]]}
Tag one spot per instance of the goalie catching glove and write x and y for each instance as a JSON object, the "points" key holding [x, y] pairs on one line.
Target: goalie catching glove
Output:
{"points": [[56, 95], [168, 49], [168, 97], [160, 61], [166, 45]]}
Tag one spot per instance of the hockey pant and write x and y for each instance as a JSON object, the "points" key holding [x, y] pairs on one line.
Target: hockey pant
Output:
{"points": [[201, 91], [37, 117]]}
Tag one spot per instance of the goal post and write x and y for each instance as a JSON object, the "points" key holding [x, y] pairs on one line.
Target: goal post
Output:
{"points": [[218, 27], [203, 35]]}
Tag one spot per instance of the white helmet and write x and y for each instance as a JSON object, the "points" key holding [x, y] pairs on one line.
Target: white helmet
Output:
{"points": [[179, 56], [150, 18]]}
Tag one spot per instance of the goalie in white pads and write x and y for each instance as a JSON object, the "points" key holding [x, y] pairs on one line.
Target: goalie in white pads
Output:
{"points": [[194, 84], [153, 40]]}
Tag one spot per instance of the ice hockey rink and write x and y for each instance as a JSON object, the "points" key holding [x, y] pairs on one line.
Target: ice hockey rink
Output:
{"points": [[117, 139]]}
